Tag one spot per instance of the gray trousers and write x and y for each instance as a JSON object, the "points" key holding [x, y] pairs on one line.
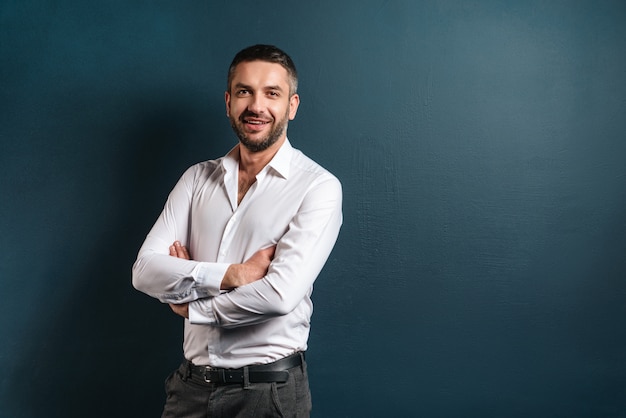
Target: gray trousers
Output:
{"points": [[189, 396]]}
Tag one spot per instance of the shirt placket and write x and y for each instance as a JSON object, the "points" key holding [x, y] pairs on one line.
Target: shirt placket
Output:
{"points": [[227, 238]]}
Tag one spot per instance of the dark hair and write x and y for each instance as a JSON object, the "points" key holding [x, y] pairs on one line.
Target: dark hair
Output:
{"points": [[268, 53]]}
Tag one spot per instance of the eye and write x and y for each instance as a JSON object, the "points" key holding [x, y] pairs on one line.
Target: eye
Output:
{"points": [[273, 93], [243, 92]]}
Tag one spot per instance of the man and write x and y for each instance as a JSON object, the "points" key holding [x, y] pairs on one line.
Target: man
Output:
{"points": [[236, 251]]}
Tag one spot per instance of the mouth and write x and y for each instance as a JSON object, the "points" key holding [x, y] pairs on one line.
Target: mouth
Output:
{"points": [[255, 124]]}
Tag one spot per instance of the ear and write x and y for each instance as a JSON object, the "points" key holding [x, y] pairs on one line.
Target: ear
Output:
{"points": [[294, 102], [227, 100]]}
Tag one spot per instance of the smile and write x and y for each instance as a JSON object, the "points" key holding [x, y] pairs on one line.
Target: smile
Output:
{"points": [[255, 122]]}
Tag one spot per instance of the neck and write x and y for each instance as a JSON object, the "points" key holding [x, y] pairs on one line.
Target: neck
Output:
{"points": [[253, 162]]}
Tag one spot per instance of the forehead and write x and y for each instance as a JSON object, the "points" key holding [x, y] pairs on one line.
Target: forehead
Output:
{"points": [[260, 74]]}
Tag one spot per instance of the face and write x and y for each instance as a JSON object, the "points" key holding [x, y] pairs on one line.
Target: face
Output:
{"points": [[259, 104]]}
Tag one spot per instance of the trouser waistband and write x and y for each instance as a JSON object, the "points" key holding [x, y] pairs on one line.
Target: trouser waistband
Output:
{"points": [[276, 371]]}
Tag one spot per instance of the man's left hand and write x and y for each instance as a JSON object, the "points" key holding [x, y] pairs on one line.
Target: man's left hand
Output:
{"points": [[182, 309]]}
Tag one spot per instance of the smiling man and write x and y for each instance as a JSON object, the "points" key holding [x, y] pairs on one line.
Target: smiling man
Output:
{"points": [[260, 120], [236, 251]]}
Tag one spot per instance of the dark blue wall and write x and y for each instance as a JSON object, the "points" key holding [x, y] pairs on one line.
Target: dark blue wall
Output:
{"points": [[481, 269]]}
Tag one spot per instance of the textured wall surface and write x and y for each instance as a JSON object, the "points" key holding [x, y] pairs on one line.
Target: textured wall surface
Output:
{"points": [[481, 269]]}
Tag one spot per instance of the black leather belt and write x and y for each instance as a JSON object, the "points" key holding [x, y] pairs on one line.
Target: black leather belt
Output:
{"points": [[259, 373]]}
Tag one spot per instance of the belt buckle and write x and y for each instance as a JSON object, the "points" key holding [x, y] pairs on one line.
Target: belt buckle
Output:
{"points": [[207, 376]]}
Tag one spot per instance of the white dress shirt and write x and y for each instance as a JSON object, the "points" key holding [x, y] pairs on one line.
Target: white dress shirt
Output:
{"points": [[294, 204]]}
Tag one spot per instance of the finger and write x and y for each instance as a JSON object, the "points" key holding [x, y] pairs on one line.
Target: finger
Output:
{"points": [[269, 252], [172, 251], [182, 310], [181, 251]]}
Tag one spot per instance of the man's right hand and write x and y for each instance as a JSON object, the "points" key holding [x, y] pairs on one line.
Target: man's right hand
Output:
{"points": [[253, 269]]}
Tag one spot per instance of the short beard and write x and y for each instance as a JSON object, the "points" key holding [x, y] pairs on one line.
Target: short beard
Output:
{"points": [[265, 143]]}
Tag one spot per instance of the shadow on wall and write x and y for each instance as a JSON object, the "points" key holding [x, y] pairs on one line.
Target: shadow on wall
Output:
{"points": [[103, 349]]}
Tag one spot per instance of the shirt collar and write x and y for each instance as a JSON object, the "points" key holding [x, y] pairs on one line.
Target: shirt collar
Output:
{"points": [[282, 160], [231, 160], [280, 163]]}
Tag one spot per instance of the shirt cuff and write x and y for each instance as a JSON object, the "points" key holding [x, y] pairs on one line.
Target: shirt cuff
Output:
{"points": [[208, 277], [201, 312]]}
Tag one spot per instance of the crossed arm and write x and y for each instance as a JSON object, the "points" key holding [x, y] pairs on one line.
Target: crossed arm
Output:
{"points": [[253, 269], [253, 291]]}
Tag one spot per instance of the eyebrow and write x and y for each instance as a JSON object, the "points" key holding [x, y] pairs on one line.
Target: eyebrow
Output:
{"points": [[266, 88], [241, 85], [273, 88]]}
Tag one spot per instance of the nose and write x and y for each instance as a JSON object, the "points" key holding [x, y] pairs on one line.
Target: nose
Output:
{"points": [[256, 104]]}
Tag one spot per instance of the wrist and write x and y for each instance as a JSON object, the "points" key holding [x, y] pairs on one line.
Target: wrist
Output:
{"points": [[231, 277]]}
